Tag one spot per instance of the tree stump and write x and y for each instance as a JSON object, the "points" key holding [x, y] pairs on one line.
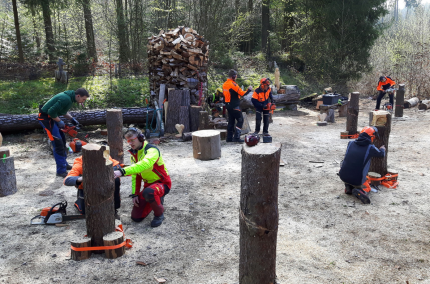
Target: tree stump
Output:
{"points": [[184, 117], [203, 120], [343, 110], [187, 136], [81, 243], [206, 144], [258, 216], [7, 173], [411, 102], [400, 101], [114, 132], [194, 117], [99, 187], [374, 175], [379, 165], [113, 239], [352, 114], [424, 105]]}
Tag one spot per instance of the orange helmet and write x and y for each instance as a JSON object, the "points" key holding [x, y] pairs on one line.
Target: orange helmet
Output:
{"points": [[265, 81], [371, 131]]}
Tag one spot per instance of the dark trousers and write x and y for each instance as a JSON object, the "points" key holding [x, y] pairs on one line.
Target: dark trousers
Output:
{"points": [[234, 114], [380, 96], [80, 202], [258, 113]]}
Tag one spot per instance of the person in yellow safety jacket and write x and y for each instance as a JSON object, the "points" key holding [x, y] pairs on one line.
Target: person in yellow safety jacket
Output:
{"points": [[384, 84], [260, 99], [215, 99], [232, 93], [147, 166]]}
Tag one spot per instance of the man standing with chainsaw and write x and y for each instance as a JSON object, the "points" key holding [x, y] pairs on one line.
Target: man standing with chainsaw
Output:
{"points": [[260, 99], [232, 93], [74, 178], [147, 166], [355, 165], [49, 118], [384, 84]]}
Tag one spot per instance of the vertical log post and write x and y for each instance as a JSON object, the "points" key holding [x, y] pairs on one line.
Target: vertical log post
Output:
{"points": [[81, 243], [113, 239], [382, 121], [194, 117], [99, 187], [7, 173], [352, 115], [114, 125], [203, 120], [258, 216], [175, 100], [400, 101], [184, 117]]}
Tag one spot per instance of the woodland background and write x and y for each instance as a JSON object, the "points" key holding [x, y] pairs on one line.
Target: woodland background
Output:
{"points": [[346, 44]]}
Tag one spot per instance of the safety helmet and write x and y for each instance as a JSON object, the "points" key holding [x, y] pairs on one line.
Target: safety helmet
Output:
{"points": [[219, 90], [265, 81], [381, 78], [252, 140], [371, 131]]}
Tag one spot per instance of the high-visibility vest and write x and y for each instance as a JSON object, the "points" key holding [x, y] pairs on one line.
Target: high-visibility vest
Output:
{"points": [[261, 95], [385, 85]]}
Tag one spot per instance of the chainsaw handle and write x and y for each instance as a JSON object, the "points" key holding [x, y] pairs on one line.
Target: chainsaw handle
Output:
{"points": [[62, 204]]}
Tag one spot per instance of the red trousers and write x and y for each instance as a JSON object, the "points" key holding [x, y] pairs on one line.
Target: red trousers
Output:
{"points": [[149, 200]]}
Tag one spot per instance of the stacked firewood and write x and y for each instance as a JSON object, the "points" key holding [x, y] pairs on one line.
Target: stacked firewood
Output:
{"points": [[179, 58]]}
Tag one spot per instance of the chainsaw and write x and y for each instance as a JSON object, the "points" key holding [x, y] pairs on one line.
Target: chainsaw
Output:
{"points": [[70, 130], [54, 215]]}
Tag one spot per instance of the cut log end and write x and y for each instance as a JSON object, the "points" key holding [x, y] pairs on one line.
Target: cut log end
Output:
{"points": [[262, 148], [112, 239], [80, 243], [206, 144]]}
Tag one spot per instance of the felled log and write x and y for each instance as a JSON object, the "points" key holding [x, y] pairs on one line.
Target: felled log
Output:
{"points": [[7, 173], [83, 242], [206, 144], [115, 140], [411, 102], [400, 101], [291, 96], [424, 105], [12, 123], [113, 239]]}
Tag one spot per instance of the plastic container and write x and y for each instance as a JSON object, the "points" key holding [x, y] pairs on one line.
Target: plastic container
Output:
{"points": [[331, 99]]}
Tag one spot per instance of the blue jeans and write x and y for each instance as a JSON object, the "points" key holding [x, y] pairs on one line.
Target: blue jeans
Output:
{"points": [[58, 141]]}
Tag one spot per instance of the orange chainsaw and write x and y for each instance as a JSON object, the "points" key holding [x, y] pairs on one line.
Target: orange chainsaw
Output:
{"points": [[54, 215], [70, 130]]}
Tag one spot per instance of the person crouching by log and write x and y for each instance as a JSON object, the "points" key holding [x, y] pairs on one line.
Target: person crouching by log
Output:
{"points": [[232, 93], [147, 165], [260, 99], [49, 118], [214, 102], [74, 178], [355, 165]]}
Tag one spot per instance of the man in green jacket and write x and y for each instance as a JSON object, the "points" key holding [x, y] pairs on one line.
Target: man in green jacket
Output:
{"points": [[49, 118]]}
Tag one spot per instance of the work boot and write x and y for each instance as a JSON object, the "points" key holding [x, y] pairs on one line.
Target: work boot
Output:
{"points": [[63, 175], [236, 137], [229, 137], [117, 215], [348, 189], [257, 122], [360, 194], [157, 221]]}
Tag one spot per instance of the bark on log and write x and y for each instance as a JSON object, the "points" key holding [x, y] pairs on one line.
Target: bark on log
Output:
{"points": [[13, 123], [185, 98], [352, 115], [411, 102], [400, 101], [424, 105], [343, 110], [114, 127], [1, 139], [187, 136], [194, 117], [258, 216], [203, 120], [291, 96], [206, 144], [7, 173], [175, 100], [81, 243], [99, 187], [379, 165], [113, 239], [184, 117]]}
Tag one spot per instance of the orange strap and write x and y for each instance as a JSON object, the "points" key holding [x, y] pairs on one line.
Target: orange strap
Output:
{"points": [[128, 243], [385, 182], [353, 136]]}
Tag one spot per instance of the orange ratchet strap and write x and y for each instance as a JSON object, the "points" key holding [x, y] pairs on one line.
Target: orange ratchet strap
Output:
{"points": [[353, 136], [389, 180], [128, 243]]}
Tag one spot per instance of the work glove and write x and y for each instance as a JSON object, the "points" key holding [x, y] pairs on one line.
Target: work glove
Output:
{"points": [[60, 124], [74, 121]]}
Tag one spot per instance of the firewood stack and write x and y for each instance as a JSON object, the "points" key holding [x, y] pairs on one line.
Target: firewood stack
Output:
{"points": [[179, 59]]}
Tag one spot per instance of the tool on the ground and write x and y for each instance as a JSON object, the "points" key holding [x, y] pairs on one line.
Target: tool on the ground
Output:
{"points": [[389, 181], [252, 139], [77, 144], [54, 215]]}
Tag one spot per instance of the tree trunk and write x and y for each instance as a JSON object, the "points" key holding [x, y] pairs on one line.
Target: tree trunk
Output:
{"points": [[184, 117], [36, 34], [400, 100], [7, 173], [175, 100], [122, 32], [194, 117], [13, 123], [411, 102], [424, 105], [265, 25], [258, 216], [114, 126], [203, 120], [352, 115], [291, 96], [379, 165], [206, 144], [89, 30], [113, 239], [17, 31], [48, 30], [99, 187], [81, 243]]}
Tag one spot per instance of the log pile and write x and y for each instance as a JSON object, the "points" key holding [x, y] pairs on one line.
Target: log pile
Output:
{"points": [[179, 58]]}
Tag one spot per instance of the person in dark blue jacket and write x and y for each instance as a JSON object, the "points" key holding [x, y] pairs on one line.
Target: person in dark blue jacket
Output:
{"points": [[355, 165]]}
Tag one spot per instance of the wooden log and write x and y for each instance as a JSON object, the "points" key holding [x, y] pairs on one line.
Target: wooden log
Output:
{"points": [[113, 239], [400, 101], [352, 114], [379, 165], [378, 118], [187, 136], [343, 110], [374, 175], [206, 144], [424, 105], [194, 117], [258, 216], [203, 120], [344, 135], [411, 102], [222, 133], [291, 96], [81, 243], [185, 98], [175, 100], [7, 173], [1, 139], [99, 187], [114, 126], [184, 117]]}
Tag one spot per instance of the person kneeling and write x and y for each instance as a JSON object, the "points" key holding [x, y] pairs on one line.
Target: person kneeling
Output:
{"points": [[355, 165], [147, 165]]}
